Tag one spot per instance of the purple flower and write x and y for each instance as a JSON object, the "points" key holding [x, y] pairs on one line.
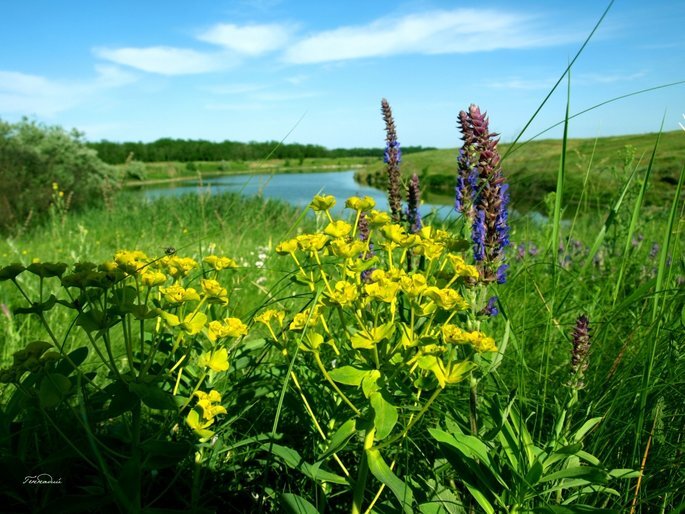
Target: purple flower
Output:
{"points": [[520, 251], [392, 158], [482, 194], [491, 308], [654, 251], [579, 353], [413, 202], [478, 236], [533, 250]]}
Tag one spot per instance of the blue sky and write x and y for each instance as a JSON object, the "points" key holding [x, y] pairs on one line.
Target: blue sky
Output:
{"points": [[250, 70]]}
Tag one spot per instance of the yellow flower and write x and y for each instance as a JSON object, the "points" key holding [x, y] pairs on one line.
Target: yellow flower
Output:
{"points": [[216, 361], [199, 425], [271, 314], [212, 397], [480, 342], [214, 290], [413, 285], [383, 290], [369, 338], [377, 218], [193, 323], [343, 294], [447, 299], [218, 263], [229, 327], [322, 202], [456, 372], [151, 278], [131, 261], [178, 294], [303, 319], [179, 266], [338, 228], [360, 204], [287, 247], [311, 242], [394, 233], [342, 248], [430, 250], [460, 267]]}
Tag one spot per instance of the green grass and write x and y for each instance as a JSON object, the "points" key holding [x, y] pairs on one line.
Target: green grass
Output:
{"points": [[531, 169], [165, 171]]}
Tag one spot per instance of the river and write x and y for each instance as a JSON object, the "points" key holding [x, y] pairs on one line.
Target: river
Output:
{"points": [[294, 188]]}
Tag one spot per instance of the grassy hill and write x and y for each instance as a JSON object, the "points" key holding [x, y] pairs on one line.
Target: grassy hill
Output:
{"points": [[532, 168]]}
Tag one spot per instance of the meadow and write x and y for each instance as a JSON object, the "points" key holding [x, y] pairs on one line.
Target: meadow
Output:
{"points": [[228, 354]]}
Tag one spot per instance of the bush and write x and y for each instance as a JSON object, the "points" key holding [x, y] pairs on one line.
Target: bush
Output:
{"points": [[33, 157]]}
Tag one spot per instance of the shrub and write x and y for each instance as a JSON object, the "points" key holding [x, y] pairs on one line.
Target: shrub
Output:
{"points": [[33, 157]]}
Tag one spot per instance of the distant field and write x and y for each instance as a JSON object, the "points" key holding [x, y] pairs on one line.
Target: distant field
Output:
{"points": [[164, 171], [532, 168]]}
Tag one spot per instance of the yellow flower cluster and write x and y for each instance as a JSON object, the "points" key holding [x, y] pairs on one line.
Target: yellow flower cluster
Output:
{"points": [[202, 416]]}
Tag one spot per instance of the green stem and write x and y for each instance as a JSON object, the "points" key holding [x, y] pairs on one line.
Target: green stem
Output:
{"points": [[342, 395], [362, 474]]}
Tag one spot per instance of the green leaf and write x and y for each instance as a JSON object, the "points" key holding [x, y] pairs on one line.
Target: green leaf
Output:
{"points": [[152, 396], [77, 357], [53, 388], [294, 504], [47, 269], [385, 416], [534, 473], [159, 453], [36, 307], [348, 375], [587, 426], [293, 460], [590, 473], [10, 272], [384, 474], [481, 499], [340, 438], [572, 509], [370, 382], [624, 473]]}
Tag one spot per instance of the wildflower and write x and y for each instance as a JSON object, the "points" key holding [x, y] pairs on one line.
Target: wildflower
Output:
{"points": [[378, 219], [413, 202], [218, 263], [308, 317], [367, 339], [131, 261], [383, 290], [579, 353], [311, 242], [343, 293], [153, 278], [338, 228], [229, 327], [480, 342], [269, 315], [392, 157], [215, 360], [342, 248], [446, 298], [322, 202], [413, 285], [177, 266], [491, 308], [490, 229], [287, 247], [654, 251], [178, 294], [360, 204]]}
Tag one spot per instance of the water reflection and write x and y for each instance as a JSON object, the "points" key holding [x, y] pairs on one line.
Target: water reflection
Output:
{"points": [[294, 188]]}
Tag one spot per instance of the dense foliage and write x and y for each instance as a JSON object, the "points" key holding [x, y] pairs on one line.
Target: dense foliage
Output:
{"points": [[186, 150], [42, 166]]}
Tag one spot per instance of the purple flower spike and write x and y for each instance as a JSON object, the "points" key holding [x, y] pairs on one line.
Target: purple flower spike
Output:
{"points": [[482, 194], [392, 158], [579, 353], [491, 308], [413, 203]]}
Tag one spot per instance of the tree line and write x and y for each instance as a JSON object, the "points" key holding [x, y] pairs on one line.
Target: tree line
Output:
{"points": [[188, 150]]}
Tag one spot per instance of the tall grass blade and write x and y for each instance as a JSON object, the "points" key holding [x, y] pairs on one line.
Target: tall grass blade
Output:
{"points": [[636, 214], [567, 70]]}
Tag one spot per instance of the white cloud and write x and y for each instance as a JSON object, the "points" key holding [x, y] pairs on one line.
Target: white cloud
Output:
{"points": [[251, 40], [432, 32], [22, 93], [583, 79], [165, 60]]}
